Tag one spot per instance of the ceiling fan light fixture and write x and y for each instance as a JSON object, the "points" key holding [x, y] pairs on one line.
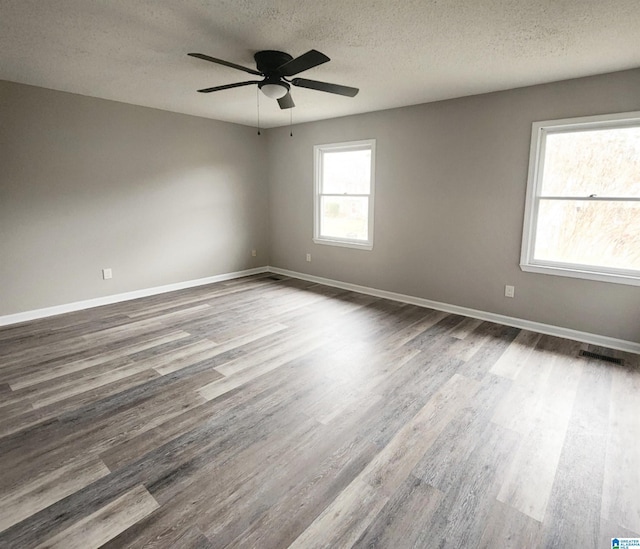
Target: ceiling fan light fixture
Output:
{"points": [[274, 91]]}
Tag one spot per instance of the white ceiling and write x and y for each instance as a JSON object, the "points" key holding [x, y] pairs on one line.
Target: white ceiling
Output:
{"points": [[398, 53]]}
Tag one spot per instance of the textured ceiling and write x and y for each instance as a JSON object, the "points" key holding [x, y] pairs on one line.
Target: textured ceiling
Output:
{"points": [[397, 53]]}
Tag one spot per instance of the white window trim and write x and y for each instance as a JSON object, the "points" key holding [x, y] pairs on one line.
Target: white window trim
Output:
{"points": [[536, 160], [318, 150]]}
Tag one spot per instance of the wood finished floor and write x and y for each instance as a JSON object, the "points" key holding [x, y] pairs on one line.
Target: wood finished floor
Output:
{"points": [[263, 413]]}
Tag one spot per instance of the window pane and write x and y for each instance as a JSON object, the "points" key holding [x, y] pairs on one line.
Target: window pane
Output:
{"points": [[346, 172], [600, 162], [345, 217], [604, 234]]}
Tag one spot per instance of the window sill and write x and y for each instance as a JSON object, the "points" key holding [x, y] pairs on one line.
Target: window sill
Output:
{"points": [[586, 275], [344, 244]]}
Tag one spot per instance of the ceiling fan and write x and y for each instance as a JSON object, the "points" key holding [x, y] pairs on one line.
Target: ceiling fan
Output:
{"points": [[275, 68]]}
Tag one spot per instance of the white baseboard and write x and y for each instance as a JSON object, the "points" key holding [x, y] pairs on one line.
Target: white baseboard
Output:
{"points": [[117, 298], [585, 337]]}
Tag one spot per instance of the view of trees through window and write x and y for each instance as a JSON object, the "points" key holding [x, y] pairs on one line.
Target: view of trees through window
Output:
{"points": [[346, 184], [587, 214]]}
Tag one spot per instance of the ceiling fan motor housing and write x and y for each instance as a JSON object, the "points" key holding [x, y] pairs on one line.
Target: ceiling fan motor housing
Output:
{"points": [[268, 61]]}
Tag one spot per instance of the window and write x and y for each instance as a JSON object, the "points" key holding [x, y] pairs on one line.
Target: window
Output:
{"points": [[343, 199], [582, 215]]}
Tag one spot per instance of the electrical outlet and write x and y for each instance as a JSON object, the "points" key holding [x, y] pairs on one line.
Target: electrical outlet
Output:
{"points": [[107, 274], [309, 258], [509, 291], [254, 253]]}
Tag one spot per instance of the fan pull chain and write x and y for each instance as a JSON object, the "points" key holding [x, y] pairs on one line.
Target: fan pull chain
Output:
{"points": [[290, 122], [258, 105]]}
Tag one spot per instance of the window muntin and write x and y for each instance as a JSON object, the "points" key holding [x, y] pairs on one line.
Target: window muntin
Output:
{"points": [[344, 185], [582, 215]]}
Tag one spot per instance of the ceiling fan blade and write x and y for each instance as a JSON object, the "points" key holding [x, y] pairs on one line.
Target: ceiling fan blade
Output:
{"points": [[286, 102], [225, 63], [228, 86], [325, 87], [306, 61]]}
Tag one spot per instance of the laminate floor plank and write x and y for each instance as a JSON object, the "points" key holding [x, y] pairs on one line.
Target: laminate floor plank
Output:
{"points": [[403, 520], [13, 406], [50, 372], [157, 466], [515, 357], [284, 521], [327, 312], [182, 357], [44, 341], [179, 300], [530, 480], [61, 392], [464, 348], [465, 328], [142, 403], [573, 514], [241, 502], [41, 492], [345, 519], [102, 435], [494, 339], [259, 397], [42, 415], [279, 349], [225, 345], [444, 326], [441, 465], [463, 513], [50, 356], [610, 530], [264, 443], [394, 463], [405, 392], [95, 530], [252, 370], [67, 386], [508, 527], [187, 499], [621, 488], [269, 412], [274, 483]]}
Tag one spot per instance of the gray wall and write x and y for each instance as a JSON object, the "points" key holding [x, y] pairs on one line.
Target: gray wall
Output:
{"points": [[163, 198], [450, 194], [87, 183]]}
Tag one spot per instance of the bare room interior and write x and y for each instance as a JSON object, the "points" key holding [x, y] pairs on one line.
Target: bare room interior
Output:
{"points": [[319, 274]]}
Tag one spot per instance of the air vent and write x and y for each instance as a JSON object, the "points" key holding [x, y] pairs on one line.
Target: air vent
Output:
{"points": [[598, 356]]}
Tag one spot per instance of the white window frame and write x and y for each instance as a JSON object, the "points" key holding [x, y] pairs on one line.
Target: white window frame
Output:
{"points": [[539, 132], [318, 151]]}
